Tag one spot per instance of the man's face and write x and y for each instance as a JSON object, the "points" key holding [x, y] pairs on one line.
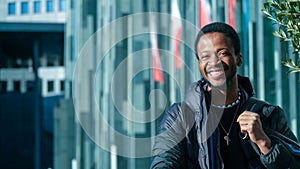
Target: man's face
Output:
{"points": [[217, 61]]}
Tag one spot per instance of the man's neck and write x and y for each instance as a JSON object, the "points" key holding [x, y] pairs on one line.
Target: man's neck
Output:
{"points": [[224, 96]]}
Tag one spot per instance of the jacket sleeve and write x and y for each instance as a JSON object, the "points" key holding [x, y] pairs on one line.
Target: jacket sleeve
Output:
{"points": [[170, 144], [280, 155]]}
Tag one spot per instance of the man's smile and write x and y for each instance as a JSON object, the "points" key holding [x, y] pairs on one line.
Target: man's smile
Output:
{"points": [[216, 73]]}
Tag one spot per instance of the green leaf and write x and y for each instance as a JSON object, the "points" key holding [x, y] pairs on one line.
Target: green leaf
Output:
{"points": [[286, 14], [268, 14], [276, 34], [282, 33], [272, 19], [287, 64], [297, 8], [293, 70]]}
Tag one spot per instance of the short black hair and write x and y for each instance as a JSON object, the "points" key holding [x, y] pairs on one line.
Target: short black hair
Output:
{"points": [[223, 28]]}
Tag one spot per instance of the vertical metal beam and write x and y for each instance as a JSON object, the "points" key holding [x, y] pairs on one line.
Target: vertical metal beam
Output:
{"points": [[278, 76], [226, 11], [292, 96], [67, 51], [131, 131], [37, 110], [260, 53], [171, 65], [113, 147], [251, 53], [247, 36], [76, 24], [214, 10]]}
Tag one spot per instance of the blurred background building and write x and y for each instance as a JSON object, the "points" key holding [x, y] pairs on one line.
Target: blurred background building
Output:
{"points": [[68, 64], [32, 77]]}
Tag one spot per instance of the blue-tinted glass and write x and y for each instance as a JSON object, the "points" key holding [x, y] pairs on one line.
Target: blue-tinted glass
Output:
{"points": [[49, 6], [62, 5], [11, 8], [24, 7], [37, 7]]}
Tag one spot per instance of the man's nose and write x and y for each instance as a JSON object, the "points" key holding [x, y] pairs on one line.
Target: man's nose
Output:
{"points": [[214, 60]]}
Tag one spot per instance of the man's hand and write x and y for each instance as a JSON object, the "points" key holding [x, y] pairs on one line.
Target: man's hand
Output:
{"points": [[250, 123]]}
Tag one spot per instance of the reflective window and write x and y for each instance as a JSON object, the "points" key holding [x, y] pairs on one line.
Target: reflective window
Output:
{"points": [[62, 5], [50, 87], [62, 86], [17, 86], [3, 86], [11, 8], [49, 6], [37, 6], [24, 7], [30, 86]]}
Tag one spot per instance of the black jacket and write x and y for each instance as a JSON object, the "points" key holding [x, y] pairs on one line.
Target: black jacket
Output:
{"points": [[186, 127]]}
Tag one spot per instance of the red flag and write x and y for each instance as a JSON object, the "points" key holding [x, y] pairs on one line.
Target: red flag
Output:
{"points": [[157, 69], [231, 5], [177, 32], [205, 13]]}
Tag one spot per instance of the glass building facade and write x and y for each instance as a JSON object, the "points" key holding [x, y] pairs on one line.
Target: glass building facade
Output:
{"points": [[111, 70]]}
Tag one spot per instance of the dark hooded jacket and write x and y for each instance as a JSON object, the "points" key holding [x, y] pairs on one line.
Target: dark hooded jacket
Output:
{"points": [[188, 132]]}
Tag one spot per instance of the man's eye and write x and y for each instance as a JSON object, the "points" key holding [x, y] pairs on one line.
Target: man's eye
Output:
{"points": [[222, 54], [203, 57]]}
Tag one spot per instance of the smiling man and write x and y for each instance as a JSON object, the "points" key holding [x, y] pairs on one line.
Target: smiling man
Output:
{"points": [[218, 125]]}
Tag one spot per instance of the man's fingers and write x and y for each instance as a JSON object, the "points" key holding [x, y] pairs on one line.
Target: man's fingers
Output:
{"points": [[246, 115]]}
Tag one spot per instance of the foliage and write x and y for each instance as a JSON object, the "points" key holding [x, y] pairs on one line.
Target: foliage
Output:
{"points": [[286, 14]]}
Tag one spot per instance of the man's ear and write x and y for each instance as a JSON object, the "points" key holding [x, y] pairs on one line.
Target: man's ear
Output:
{"points": [[239, 60]]}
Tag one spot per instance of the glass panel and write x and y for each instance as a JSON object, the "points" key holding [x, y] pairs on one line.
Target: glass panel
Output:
{"points": [[50, 86], [11, 8], [17, 86], [62, 5], [49, 6], [62, 86], [37, 6], [3, 86], [24, 7], [30, 86]]}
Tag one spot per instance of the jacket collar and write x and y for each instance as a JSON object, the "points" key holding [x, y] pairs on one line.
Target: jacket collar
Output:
{"points": [[195, 93], [245, 83]]}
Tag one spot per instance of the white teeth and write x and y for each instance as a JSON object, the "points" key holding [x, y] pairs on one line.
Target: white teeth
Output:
{"points": [[216, 73]]}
